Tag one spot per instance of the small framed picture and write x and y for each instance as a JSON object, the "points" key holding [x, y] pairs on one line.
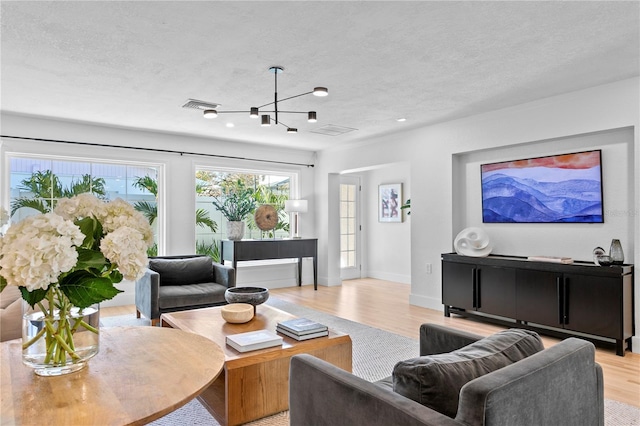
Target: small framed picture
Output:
{"points": [[389, 202]]}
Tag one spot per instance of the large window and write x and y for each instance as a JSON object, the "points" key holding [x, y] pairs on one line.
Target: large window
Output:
{"points": [[265, 188], [37, 183]]}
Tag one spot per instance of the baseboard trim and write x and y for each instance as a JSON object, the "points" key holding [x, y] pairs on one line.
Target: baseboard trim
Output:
{"points": [[389, 276], [426, 302]]}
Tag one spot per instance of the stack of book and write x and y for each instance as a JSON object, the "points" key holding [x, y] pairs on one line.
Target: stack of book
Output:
{"points": [[253, 340], [552, 259], [302, 329]]}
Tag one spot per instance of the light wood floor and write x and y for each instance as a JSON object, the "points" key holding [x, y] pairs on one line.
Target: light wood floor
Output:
{"points": [[385, 305]]}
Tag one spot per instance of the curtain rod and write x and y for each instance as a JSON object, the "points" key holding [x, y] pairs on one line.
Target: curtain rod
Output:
{"points": [[156, 150]]}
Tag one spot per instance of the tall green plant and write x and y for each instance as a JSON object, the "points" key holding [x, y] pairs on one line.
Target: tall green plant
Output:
{"points": [[236, 202], [211, 249], [46, 188], [150, 210]]}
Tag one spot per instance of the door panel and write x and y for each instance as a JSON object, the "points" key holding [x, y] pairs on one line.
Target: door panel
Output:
{"points": [[457, 285], [537, 297], [593, 304], [349, 228], [497, 291]]}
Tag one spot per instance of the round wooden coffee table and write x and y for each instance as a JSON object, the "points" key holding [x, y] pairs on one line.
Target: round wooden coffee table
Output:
{"points": [[139, 375]]}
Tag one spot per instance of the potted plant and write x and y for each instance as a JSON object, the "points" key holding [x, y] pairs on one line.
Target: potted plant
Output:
{"points": [[235, 204]]}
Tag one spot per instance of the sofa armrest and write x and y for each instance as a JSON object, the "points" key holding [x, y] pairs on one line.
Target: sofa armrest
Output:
{"points": [[322, 394], [147, 293], [225, 275], [438, 339], [11, 321], [560, 385]]}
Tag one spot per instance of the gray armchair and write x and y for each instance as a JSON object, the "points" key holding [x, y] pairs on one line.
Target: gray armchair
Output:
{"points": [[177, 283], [561, 385]]}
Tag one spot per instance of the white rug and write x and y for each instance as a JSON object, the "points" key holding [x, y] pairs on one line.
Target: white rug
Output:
{"points": [[375, 352]]}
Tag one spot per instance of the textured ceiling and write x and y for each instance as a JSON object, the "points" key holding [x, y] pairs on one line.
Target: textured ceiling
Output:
{"points": [[135, 63]]}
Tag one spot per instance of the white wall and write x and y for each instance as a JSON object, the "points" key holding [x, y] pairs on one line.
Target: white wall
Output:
{"points": [[177, 173], [431, 150], [573, 240], [386, 251]]}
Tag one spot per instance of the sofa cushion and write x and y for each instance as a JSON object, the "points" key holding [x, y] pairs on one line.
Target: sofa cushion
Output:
{"points": [[192, 270], [435, 380]]}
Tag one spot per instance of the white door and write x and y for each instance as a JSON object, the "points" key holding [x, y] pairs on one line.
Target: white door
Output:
{"points": [[349, 227]]}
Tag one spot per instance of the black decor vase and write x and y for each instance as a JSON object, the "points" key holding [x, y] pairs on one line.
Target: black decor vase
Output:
{"points": [[616, 253]]}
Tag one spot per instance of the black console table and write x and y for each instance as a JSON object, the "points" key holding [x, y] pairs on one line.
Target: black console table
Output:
{"points": [[575, 299], [238, 251]]}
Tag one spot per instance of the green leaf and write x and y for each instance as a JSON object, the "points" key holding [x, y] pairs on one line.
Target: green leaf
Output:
{"points": [[33, 297], [84, 288], [148, 210], [3, 283], [92, 229], [203, 220], [115, 276], [90, 259]]}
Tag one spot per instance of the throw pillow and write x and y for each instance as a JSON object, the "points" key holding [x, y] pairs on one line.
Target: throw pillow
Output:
{"points": [[179, 271], [435, 381]]}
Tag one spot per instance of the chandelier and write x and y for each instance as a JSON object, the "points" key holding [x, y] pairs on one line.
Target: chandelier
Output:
{"points": [[271, 115]]}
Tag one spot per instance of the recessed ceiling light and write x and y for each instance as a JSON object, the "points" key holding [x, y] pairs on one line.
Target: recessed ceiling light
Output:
{"points": [[230, 125], [401, 119]]}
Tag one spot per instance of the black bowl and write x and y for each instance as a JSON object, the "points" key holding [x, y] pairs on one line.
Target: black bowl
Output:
{"points": [[251, 295]]}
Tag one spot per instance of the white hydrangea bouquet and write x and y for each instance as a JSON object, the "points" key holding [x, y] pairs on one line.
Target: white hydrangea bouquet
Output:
{"points": [[70, 259]]}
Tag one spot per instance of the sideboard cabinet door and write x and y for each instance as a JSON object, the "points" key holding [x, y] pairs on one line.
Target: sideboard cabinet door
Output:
{"points": [[537, 298], [496, 292], [458, 285], [481, 288], [594, 305]]}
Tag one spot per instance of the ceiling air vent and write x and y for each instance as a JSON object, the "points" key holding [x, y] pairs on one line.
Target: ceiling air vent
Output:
{"points": [[332, 130], [201, 105]]}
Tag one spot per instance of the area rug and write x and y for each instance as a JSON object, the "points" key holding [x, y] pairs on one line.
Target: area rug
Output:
{"points": [[375, 352]]}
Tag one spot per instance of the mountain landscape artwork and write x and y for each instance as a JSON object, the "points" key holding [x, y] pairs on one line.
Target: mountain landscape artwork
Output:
{"points": [[563, 188]]}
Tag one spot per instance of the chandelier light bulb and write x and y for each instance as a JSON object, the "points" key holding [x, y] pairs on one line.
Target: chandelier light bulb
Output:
{"points": [[266, 121], [210, 113], [312, 117], [253, 113], [320, 91]]}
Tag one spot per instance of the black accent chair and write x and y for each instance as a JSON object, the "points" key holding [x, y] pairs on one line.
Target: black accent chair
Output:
{"points": [[178, 283]]}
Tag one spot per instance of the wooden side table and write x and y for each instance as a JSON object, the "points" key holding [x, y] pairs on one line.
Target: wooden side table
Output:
{"points": [[139, 375]]}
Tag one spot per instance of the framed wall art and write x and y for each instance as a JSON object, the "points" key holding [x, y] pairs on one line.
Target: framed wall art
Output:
{"points": [[565, 188], [389, 202]]}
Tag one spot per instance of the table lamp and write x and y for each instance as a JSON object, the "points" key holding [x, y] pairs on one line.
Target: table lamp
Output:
{"points": [[295, 207]]}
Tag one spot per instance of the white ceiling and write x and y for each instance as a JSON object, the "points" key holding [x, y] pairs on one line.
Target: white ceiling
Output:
{"points": [[135, 63]]}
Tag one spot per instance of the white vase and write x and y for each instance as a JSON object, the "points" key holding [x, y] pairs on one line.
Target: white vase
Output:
{"points": [[235, 230]]}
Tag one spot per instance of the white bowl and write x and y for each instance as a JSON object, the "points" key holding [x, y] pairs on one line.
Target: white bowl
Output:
{"points": [[237, 313]]}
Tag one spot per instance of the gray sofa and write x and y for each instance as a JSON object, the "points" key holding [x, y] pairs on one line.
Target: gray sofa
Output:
{"points": [[177, 283], [561, 385]]}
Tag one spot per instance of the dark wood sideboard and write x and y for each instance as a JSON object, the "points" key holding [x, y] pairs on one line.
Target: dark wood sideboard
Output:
{"points": [[297, 248], [580, 299]]}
